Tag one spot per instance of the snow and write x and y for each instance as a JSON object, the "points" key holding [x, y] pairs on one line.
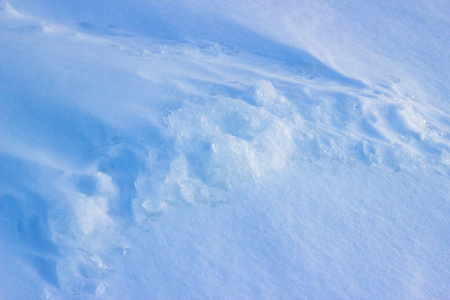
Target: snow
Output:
{"points": [[235, 150]]}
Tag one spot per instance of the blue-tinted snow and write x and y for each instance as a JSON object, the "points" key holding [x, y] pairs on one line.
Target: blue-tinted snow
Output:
{"points": [[235, 150]]}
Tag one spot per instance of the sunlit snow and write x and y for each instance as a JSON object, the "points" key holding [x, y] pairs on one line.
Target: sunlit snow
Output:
{"points": [[225, 149]]}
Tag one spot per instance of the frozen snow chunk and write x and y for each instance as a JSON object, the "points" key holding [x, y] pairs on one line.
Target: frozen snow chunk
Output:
{"points": [[225, 141], [105, 184], [181, 184], [154, 206], [92, 214], [268, 97], [92, 211], [265, 92]]}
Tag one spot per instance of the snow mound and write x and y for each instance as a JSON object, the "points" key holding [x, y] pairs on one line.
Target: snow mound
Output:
{"points": [[160, 151]]}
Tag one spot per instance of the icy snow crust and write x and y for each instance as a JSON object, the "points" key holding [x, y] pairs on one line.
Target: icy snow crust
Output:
{"points": [[159, 151]]}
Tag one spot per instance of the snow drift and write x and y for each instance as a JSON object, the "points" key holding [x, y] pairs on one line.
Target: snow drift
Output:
{"points": [[229, 151]]}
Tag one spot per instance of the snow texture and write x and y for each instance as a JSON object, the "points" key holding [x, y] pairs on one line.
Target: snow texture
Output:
{"points": [[228, 150]]}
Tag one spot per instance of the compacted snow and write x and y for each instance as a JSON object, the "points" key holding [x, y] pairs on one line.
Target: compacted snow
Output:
{"points": [[230, 150]]}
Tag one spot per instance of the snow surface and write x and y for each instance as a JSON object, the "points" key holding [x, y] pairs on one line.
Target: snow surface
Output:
{"points": [[227, 150]]}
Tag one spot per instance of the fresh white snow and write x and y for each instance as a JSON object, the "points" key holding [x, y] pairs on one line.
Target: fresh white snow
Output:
{"points": [[224, 150]]}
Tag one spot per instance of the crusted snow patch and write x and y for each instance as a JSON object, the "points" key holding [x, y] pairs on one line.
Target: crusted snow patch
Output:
{"points": [[222, 141]]}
